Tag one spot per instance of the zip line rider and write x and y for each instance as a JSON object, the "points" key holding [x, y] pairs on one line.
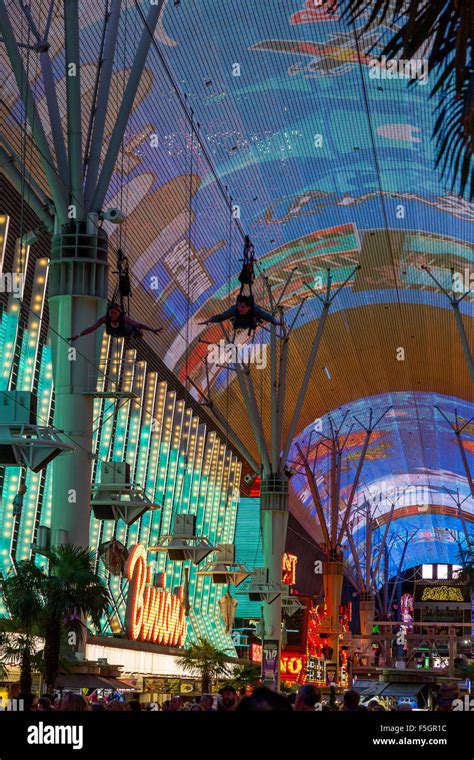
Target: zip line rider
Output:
{"points": [[118, 324], [246, 314]]}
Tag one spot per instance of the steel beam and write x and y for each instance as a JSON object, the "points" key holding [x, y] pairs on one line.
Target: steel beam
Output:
{"points": [[55, 182], [464, 341], [126, 107], [227, 429], [306, 379], [73, 96], [355, 484], [316, 498], [50, 93], [276, 443], [93, 159], [459, 323], [7, 165]]}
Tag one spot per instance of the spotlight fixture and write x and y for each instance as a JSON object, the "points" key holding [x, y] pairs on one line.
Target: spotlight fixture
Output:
{"points": [[250, 478]]}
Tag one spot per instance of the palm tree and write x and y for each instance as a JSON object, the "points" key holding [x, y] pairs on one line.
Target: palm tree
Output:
{"points": [[446, 27], [18, 649], [72, 591], [204, 658], [22, 591], [465, 558], [52, 606], [244, 676]]}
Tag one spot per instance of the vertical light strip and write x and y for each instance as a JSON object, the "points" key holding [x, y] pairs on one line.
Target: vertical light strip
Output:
{"points": [[213, 511], [8, 341], [99, 407], [178, 507], [151, 520], [4, 225], [169, 502], [163, 473], [204, 492], [144, 449], [125, 447], [25, 382]]}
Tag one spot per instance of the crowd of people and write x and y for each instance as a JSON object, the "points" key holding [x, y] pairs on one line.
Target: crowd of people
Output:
{"points": [[308, 698]]}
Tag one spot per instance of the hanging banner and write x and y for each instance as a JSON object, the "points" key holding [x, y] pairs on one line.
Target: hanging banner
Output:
{"points": [[331, 673], [270, 662]]}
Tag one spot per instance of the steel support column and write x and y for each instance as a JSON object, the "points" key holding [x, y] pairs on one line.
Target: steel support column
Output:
{"points": [[333, 578], [274, 523], [78, 292]]}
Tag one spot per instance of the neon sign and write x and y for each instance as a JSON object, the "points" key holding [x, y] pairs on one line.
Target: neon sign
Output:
{"points": [[442, 594], [152, 614], [292, 665], [289, 569]]}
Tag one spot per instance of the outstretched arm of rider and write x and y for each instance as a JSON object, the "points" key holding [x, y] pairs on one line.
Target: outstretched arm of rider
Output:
{"points": [[90, 329], [228, 314]]}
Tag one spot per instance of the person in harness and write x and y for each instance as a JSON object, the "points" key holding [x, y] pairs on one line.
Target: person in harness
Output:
{"points": [[118, 325], [247, 274], [245, 315], [18, 501]]}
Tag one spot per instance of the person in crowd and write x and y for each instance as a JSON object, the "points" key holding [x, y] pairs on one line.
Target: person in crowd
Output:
{"points": [[117, 324], [44, 704], [264, 700], [26, 701], [403, 707], [447, 693], [176, 704], [197, 707], [332, 704], [166, 706], [98, 707], [228, 698], [351, 702], [117, 706], [152, 707], [244, 315], [74, 703], [307, 698], [207, 702], [375, 706], [134, 705]]}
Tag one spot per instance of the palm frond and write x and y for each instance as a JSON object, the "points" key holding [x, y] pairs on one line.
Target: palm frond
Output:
{"points": [[446, 28]]}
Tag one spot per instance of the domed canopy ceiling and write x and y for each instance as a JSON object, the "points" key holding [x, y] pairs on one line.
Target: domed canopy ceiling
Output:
{"points": [[329, 162]]}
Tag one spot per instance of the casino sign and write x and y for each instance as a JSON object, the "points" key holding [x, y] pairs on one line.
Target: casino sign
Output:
{"points": [[152, 614]]}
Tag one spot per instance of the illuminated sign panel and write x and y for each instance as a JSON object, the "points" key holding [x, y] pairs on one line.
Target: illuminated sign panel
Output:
{"points": [[442, 594], [294, 666], [289, 569], [152, 614]]}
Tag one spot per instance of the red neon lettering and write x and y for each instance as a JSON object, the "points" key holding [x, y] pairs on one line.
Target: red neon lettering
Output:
{"points": [[152, 614]]}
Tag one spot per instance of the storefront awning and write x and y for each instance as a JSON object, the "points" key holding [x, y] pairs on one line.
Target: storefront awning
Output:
{"points": [[369, 688], [403, 689], [89, 681]]}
